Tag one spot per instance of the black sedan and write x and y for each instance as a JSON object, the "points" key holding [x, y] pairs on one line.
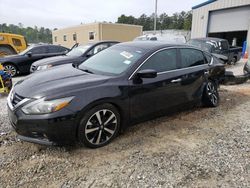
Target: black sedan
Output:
{"points": [[121, 85], [21, 63], [76, 56]]}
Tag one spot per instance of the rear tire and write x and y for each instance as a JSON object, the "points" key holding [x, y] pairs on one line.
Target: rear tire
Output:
{"points": [[99, 126], [211, 96], [10, 69]]}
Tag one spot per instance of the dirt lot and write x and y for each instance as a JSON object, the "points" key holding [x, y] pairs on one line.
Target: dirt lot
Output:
{"points": [[200, 147]]}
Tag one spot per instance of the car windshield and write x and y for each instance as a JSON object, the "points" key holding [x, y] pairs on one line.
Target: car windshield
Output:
{"points": [[78, 51], [205, 45], [112, 61], [26, 50]]}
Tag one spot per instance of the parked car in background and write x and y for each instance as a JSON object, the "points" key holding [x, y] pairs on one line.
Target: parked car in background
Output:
{"points": [[125, 83], [168, 38], [218, 47], [21, 63], [76, 56]]}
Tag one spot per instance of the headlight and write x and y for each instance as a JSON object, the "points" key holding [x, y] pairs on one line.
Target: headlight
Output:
{"points": [[43, 67], [41, 106]]}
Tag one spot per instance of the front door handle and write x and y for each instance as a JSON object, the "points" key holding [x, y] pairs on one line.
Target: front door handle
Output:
{"points": [[176, 81]]}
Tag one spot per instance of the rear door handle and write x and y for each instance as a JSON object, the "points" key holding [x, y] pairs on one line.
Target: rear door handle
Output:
{"points": [[176, 81]]}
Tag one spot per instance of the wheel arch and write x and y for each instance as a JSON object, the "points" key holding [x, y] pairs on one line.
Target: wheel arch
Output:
{"points": [[116, 103]]}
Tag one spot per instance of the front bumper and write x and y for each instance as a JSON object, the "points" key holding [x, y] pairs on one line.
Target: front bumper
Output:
{"points": [[47, 129]]}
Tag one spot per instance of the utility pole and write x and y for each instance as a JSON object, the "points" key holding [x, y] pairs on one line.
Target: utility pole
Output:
{"points": [[155, 18]]}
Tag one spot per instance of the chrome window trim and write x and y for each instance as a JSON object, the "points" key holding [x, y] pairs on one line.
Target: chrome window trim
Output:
{"points": [[181, 69], [166, 48], [131, 76]]}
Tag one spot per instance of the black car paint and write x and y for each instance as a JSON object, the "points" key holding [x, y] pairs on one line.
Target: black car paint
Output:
{"points": [[62, 60], [23, 62], [134, 99]]}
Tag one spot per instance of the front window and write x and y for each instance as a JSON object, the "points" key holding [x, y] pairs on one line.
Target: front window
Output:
{"points": [[78, 51], [26, 50], [113, 61], [165, 60]]}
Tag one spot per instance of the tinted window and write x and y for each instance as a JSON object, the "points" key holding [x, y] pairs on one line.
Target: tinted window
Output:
{"points": [[56, 49], [162, 61], [224, 45], [191, 57], [39, 50]]}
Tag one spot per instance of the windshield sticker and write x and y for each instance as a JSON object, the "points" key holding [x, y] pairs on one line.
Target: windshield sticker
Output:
{"points": [[127, 62], [126, 54]]}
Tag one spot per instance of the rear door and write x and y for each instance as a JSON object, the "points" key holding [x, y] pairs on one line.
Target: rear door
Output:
{"points": [[194, 70], [163, 92]]}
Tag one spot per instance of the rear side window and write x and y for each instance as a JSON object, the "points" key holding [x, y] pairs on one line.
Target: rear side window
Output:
{"points": [[191, 57], [224, 45], [162, 61], [56, 49], [39, 50]]}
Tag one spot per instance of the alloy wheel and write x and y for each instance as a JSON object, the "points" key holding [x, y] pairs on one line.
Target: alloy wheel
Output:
{"points": [[101, 127], [10, 69], [212, 93]]}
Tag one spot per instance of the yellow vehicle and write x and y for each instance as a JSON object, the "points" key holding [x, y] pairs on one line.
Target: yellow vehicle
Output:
{"points": [[11, 44], [5, 81]]}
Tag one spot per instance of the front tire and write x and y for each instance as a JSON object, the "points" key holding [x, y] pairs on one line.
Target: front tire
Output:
{"points": [[99, 126], [211, 96], [10, 69]]}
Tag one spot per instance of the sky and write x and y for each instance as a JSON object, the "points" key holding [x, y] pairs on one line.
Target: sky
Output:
{"points": [[64, 13]]}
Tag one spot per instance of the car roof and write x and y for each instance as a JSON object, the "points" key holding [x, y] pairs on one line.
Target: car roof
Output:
{"points": [[209, 39], [150, 45], [100, 42]]}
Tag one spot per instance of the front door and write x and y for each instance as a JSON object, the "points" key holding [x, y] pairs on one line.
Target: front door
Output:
{"points": [[157, 94]]}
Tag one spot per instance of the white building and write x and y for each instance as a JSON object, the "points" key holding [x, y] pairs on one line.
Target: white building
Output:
{"points": [[228, 19]]}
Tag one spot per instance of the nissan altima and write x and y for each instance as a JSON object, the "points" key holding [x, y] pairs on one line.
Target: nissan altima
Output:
{"points": [[123, 84]]}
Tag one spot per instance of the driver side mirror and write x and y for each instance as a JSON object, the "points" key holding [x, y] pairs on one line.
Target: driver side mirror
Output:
{"points": [[29, 54], [147, 73]]}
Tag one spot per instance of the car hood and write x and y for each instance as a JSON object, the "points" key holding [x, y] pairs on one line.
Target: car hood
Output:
{"points": [[55, 81], [55, 60], [9, 57]]}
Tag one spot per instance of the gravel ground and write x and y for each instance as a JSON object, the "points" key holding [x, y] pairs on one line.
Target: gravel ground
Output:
{"points": [[200, 147]]}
